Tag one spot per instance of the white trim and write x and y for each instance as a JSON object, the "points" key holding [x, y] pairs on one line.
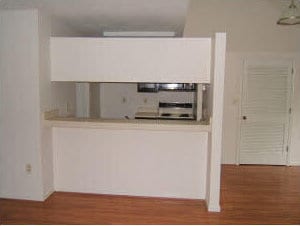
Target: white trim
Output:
{"points": [[155, 125], [238, 131], [45, 196], [55, 160], [139, 34], [214, 164], [214, 208], [291, 116], [294, 163]]}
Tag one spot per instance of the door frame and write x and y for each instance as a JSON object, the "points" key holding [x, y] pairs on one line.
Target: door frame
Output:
{"points": [[270, 59]]}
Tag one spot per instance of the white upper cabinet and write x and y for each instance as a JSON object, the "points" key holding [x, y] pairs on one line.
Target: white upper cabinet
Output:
{"points": [[182, 60]]}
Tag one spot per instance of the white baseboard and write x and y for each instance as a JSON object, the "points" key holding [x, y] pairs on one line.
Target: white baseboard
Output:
{"points": [[213, 207], [21, 197], [48, 194], [295, 163]]}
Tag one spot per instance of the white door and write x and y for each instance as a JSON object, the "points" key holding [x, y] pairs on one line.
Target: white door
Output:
{"points": [[265, 113]]}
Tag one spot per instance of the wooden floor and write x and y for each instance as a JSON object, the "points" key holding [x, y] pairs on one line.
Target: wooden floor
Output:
{"points": [[250, 195]]}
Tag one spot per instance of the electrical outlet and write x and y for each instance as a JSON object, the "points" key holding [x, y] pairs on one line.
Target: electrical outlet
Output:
{"points": [[28, 168]]}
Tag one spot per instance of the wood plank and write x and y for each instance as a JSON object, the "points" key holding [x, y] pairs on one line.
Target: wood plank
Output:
{"points": [[249, 195]]}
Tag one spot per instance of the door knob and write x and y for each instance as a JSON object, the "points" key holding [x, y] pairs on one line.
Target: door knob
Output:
{"points": [[244, 117]]}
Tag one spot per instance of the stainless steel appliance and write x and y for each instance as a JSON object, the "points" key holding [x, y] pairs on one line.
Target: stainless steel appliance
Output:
{"points": [[178, 111], [168, 111], [155, 87], [147, 87], [177, 87]]}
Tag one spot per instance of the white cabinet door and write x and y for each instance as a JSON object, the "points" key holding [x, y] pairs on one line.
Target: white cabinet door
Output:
{"points": [[265, 113], [185, 60]]}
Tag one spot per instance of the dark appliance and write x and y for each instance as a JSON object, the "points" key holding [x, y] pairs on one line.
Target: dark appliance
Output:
{"points": [[155, 87], [147, 87]]}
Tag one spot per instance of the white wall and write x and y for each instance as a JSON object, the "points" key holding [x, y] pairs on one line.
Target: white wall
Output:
{"points": [[19, 111], [95, 100], [63, 93], [63, 97], [26, 92], [250, 25], [131, 162], [52, 95], [60, 28], [82, 100], [112, 96], [251, 31], [45, 102]]}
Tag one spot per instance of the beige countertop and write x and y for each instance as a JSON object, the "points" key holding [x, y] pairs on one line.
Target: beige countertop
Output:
{"points": [[143, 124]]}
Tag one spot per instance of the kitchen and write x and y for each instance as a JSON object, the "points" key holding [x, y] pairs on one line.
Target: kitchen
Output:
{"points": [[138, 157], [53, 140], [142, 100], [163, 117], [179, 67]]}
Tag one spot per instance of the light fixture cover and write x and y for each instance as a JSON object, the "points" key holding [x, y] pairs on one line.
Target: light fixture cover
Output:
{"points": [[139, 34], [290, 16]]}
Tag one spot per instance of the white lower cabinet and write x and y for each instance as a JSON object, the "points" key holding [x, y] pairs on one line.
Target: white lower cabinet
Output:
{"points": [[142, 162]]}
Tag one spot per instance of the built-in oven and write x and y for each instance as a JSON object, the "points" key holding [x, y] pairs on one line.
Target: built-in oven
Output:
{"points": [[175, 110], [168, 111]]}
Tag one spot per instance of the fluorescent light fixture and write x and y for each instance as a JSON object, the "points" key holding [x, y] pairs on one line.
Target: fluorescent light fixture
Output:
{"points": [[139, 34]]}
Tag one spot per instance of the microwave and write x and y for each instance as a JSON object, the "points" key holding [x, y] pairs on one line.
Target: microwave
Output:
{"points": [[155, 87], [177, 87], [147, 87]]}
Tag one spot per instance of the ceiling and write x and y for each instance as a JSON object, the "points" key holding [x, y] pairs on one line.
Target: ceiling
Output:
{"points": [[92, 17]]}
